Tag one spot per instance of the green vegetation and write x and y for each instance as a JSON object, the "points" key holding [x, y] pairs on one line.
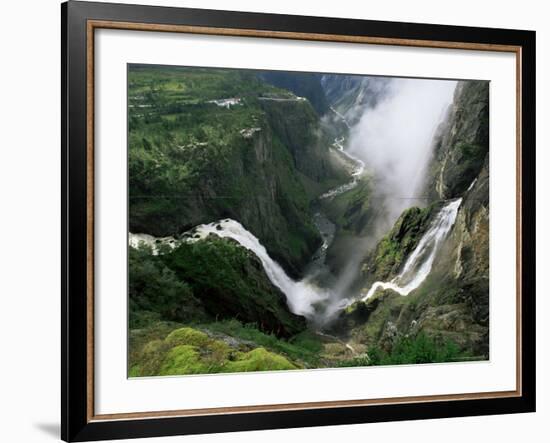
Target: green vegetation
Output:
{"points": [[410, 350], [213, 278], [304, 347], [190, 351], [350, 210], [230, 282], [193, 159], [155, 292]]}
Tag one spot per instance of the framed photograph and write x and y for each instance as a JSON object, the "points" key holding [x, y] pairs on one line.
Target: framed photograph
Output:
{"points": [[279, 221]]}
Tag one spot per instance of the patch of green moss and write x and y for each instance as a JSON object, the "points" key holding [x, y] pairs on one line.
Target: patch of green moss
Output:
{"points": [[187, 336], [183, 359], [151, 358], [258, 359]]}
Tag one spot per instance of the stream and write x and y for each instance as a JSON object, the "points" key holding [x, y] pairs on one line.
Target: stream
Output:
{"points": [[356, 173]]}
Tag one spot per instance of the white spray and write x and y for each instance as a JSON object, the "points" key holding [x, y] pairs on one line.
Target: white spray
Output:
{"points": [[395, 140]]}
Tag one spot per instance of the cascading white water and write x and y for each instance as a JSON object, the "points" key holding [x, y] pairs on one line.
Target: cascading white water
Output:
{"points": [[419, 264], [301, 295], [387, 151]]}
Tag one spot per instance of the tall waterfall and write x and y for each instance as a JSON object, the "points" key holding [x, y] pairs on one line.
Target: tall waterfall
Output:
{"points": [[419, 264], [301, 295]]}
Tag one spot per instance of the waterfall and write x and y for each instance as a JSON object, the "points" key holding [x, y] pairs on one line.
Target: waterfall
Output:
{"points": [[419, 264], [301, 295]]}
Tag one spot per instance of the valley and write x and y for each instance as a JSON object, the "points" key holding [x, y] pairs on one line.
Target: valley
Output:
{"points": [[268, 230]]}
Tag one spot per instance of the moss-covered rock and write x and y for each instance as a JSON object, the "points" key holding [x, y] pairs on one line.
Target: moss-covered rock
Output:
{"points": [[258, 359], [187, 336], [190, 351]]}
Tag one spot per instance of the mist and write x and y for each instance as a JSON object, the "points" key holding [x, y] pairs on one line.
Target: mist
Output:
{"points": [[395, 140]]}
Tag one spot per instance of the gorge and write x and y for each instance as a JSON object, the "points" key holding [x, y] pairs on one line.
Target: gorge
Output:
{"points": [[363, 220]]}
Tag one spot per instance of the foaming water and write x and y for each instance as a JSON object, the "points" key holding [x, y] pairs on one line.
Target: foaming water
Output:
{"points": [[420, 262]]}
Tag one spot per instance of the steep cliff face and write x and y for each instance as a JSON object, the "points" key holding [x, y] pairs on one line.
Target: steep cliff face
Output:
{"points": [[469, 248], [461, 143], [298, 128], [197, 155], [452, 304], [461, 168]]}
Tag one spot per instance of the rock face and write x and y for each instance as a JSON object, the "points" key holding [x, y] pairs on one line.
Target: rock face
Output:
{"points": [[461, 143], [453, 302], [468, 244], [461, 168]]}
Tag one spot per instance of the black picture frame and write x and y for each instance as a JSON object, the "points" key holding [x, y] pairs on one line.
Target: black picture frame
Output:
{"points": [[76, 422]]}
